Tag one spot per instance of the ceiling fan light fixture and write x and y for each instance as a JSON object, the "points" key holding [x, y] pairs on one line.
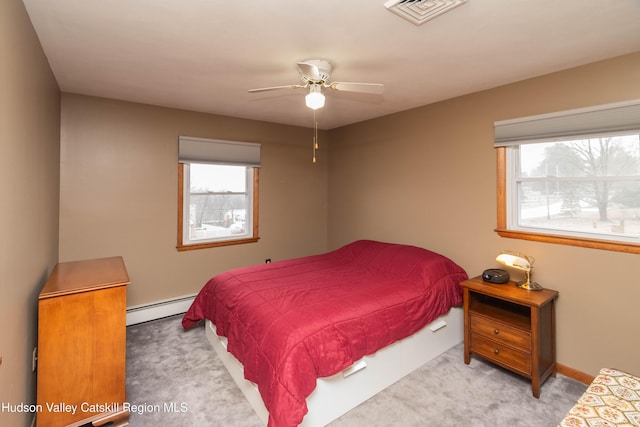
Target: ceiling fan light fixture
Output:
{"points": [[315, 97]]}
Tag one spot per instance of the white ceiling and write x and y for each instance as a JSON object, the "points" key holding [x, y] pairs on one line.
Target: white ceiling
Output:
{"points": [[203, 55]]}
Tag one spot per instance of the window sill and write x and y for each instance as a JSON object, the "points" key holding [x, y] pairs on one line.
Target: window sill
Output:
{"points": [[207, 245], [572, 241]]}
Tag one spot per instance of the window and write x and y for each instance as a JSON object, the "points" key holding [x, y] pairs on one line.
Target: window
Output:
{"points": [[572, 177], [218, 193]]}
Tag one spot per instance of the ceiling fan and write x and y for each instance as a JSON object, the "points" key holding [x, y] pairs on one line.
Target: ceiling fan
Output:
{"points": [[316, 75]]}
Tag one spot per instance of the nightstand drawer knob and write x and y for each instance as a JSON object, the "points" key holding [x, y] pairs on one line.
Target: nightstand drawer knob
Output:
{"points": [[496, 351], [496, 332]]}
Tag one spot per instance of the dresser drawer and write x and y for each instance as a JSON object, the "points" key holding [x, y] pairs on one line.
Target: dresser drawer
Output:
{"points": [[500, 332], [501, 354]]}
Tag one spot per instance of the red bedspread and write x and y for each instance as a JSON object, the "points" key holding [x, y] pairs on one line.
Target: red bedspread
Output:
{"points": [[293, 321]]}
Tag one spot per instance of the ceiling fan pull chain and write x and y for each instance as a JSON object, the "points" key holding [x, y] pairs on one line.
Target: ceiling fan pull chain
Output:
{"points": [[316, 146], [315, 136]]}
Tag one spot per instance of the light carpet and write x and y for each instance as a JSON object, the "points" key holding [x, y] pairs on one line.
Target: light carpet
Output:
{"points": [[174, 378]]}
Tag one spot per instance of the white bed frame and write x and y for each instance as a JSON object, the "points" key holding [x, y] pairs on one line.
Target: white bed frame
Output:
{"points": [[336, 395]]}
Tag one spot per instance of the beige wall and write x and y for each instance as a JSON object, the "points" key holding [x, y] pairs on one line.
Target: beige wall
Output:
{"points": [[424, 177], [119, 188], [29, 184], [428, 177]]}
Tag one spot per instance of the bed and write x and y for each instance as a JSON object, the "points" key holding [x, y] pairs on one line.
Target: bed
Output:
{"points": [[301, 326]]}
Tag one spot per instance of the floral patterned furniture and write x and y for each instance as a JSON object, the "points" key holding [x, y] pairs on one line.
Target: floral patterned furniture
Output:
{"points": [[611, 400]]}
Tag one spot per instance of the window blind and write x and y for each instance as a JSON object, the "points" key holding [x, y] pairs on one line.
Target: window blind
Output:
{"points": [[202, 150], [592, 121]]}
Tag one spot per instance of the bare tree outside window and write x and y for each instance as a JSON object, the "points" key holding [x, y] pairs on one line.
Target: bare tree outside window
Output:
{"points": [[584, 185]]}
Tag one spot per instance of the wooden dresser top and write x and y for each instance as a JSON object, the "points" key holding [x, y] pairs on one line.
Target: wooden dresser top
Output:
{"points": [[82, 276]]}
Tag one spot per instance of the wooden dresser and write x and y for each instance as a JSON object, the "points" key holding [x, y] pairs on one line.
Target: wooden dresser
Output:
{"points": [[511, 327], [82, 344]]}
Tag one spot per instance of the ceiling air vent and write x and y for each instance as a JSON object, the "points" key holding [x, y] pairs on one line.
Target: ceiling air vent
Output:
{"points": [[420, 11]]}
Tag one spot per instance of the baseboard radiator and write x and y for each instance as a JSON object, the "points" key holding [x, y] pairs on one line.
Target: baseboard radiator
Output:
{"points": [[159, 309]]}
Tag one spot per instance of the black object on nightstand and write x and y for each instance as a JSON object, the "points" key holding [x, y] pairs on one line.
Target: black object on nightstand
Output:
{"points": [[495, 275]]}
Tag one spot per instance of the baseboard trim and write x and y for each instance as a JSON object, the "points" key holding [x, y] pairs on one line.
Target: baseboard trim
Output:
{"points": [[159, 309], [575, 374]]}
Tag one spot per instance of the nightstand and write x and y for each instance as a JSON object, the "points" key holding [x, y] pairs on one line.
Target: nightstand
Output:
{"points": [[511, 327]]}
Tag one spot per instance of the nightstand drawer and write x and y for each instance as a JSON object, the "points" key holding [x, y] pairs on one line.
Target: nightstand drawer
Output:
{"points": [[500, 332], [501, 354]]}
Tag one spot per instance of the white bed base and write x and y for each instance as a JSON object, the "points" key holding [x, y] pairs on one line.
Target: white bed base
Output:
{"points": [[336, 395]]}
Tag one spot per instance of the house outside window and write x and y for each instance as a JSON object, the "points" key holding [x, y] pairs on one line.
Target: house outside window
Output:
{"points": [[572, 177], [218, 193]]}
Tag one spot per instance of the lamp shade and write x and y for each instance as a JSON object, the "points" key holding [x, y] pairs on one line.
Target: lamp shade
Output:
{"points": [[315, 97], [314, 100], [520, 262], [515, 260]]}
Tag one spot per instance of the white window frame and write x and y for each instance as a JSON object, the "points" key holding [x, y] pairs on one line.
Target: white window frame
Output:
{"points": [[514, 202], [187, 203]]}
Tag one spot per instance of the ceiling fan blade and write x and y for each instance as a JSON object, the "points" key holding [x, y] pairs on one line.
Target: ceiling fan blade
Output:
{"points": [[264, 89], [374, 88]]}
